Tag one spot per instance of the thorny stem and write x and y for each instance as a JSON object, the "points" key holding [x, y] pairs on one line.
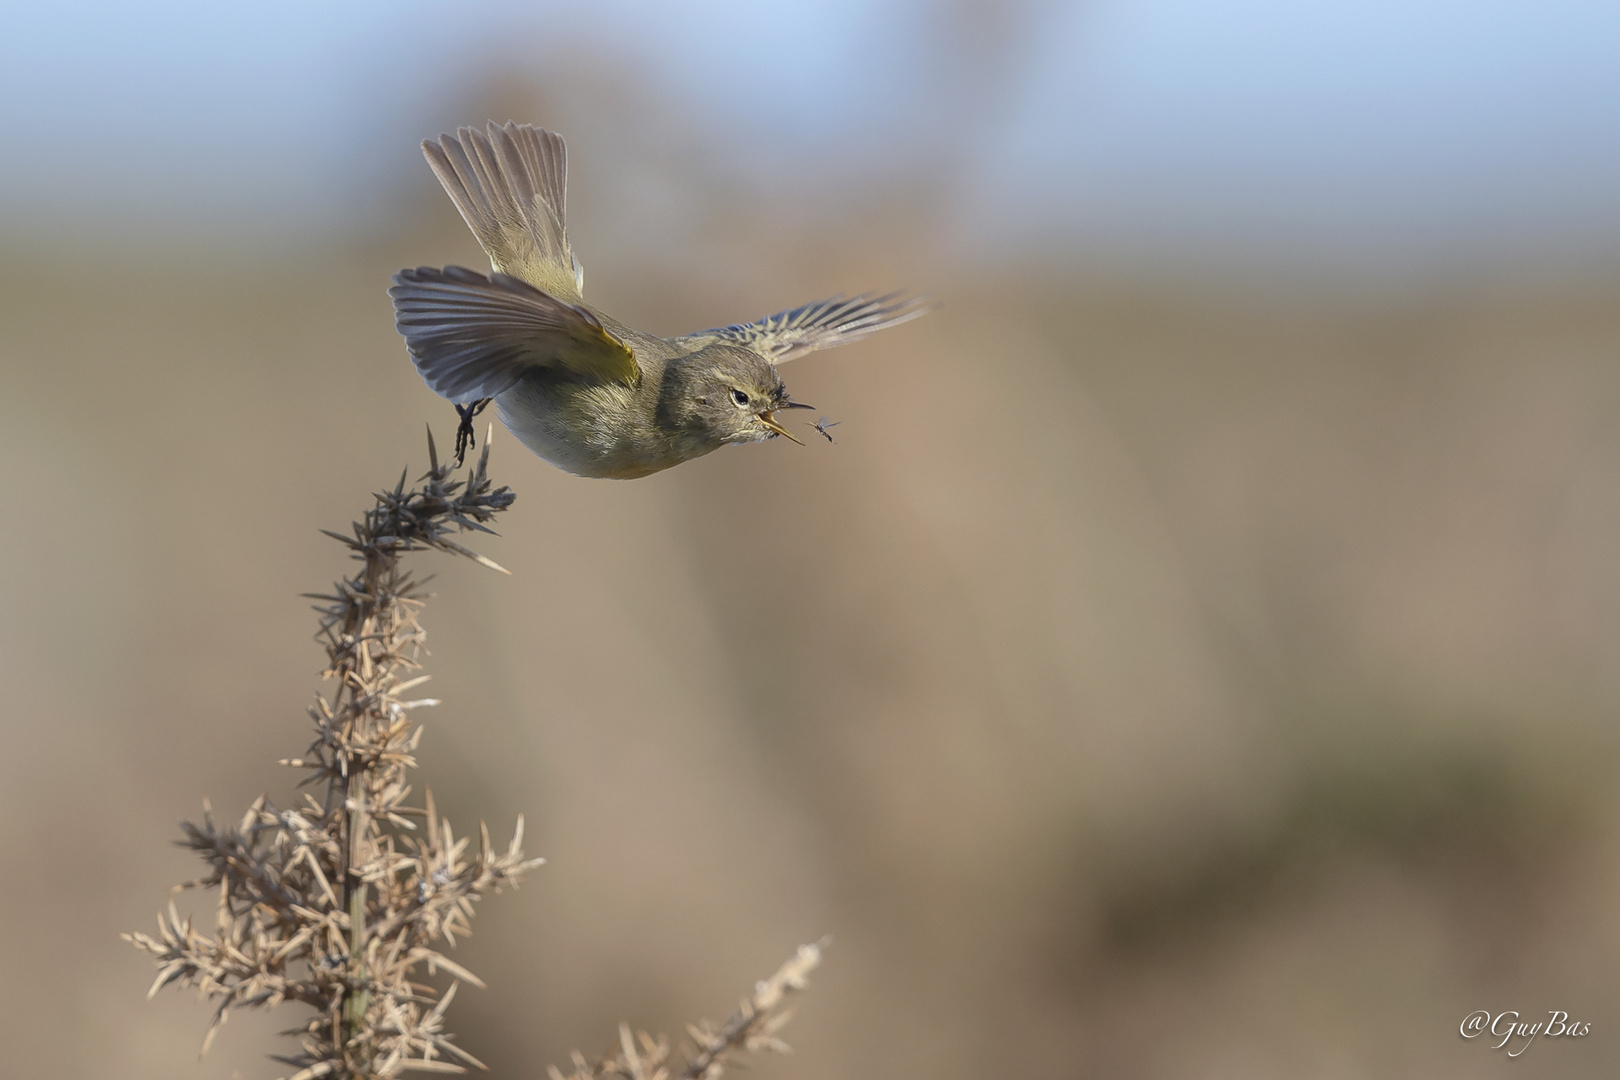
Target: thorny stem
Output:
{"points": [[367, 645], [354, 779], [335, 904], [751, 1028], [357, 999]]}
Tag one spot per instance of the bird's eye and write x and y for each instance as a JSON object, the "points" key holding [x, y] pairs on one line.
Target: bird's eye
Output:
{"points": [[740, 398]]}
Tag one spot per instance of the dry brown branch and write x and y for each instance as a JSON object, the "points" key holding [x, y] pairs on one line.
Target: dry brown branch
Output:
{"points": [[338, 902], [752, 1027]]}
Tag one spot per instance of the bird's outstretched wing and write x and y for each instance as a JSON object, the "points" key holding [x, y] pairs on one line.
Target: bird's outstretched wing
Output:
{"points": [[817, 325], [511, 184], [473, 337]]}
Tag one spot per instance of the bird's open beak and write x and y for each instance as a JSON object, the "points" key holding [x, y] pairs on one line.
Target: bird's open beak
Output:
{"points": [[769, 421], [795, 405]]}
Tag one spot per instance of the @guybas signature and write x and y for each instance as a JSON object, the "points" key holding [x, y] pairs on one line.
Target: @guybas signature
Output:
{"points": [[1508, 1026]]}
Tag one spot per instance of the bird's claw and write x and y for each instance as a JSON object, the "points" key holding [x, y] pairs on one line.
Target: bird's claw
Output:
{"points": [[465, 439]]}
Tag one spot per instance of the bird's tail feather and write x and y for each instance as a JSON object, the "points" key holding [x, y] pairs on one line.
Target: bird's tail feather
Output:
{"points": [[510, 184]]}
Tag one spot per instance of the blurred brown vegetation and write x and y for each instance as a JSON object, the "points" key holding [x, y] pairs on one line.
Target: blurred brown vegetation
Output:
{"points": [[1159, 677]]}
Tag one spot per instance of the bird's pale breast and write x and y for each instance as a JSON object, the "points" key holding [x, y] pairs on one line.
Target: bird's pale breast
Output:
{"points": [[591, 429]]}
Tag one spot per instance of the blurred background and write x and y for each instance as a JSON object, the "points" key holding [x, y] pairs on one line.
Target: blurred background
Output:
{"points": [[1198, 655]]}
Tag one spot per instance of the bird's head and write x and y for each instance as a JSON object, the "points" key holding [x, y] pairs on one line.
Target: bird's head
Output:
{"points": [[726, 394]]}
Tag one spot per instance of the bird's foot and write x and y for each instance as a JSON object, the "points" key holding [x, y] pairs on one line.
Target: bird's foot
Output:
{"points": [[465, 440]]}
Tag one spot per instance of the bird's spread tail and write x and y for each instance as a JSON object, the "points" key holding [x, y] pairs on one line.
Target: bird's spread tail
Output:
{"points": [[510, 184]]}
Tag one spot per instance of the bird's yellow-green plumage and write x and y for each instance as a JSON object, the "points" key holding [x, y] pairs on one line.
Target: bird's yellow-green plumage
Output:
{"points": [[577, 387]]}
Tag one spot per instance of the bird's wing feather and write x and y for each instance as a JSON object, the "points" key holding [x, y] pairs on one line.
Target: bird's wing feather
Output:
{"points": [[510, 184], [473, 337], [817, 325]]}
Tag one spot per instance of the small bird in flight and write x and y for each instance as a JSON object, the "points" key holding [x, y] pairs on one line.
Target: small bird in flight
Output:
{"points": [[581, 389]]}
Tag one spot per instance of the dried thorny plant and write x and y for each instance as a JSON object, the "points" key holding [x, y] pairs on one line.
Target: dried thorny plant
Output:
{"points": [[340, 903], [337, 903], [752, 1027]]}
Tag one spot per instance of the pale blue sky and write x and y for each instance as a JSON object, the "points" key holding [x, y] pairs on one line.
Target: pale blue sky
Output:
{"points": [[1347, 122]]}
